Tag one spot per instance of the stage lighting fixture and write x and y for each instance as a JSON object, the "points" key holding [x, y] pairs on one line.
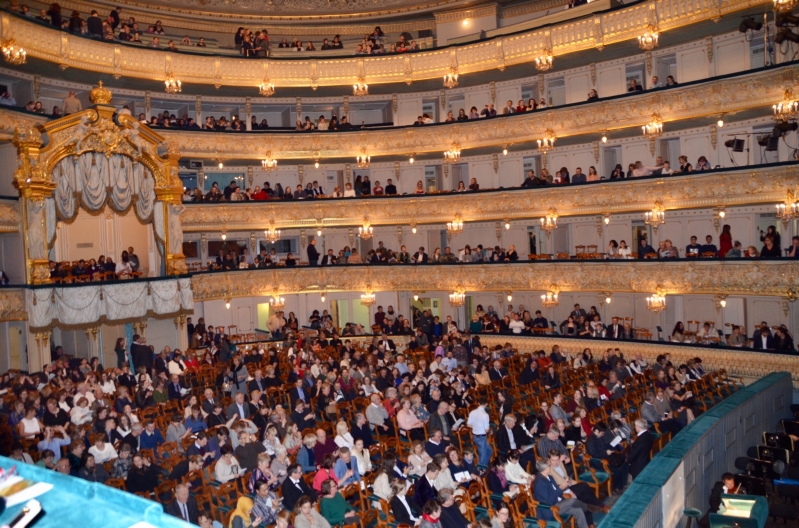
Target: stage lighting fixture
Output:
{"points": [[786, 19], [749, 23], [784, 128], [785, 34], [737, 145]]}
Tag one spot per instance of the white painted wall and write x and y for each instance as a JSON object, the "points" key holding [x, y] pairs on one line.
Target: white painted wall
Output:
{"points": [[450, 30]]}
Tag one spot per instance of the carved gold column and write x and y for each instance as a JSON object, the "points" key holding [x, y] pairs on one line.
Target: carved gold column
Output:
{"points": [[170, 198], [35, 187]]}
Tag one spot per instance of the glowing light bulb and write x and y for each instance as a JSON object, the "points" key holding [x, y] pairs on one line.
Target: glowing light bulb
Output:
{"points": [[227, 305], [411, 160], [413, 230], [221, 165], [316, 165], [720, 123], [507, 225], [466, 22], [604, 138], [224, 236], [510, 297], [723, 303], [607, 300], [323, 297], [318, 232], [504, 152], [607, 219], [415, 297], [722, 214]]}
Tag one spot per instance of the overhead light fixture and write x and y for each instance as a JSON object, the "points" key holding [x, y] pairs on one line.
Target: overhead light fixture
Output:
{"points": [[657, 302], [655, 217], [271, 234], [413, 228], [510, 296], [451, 79], [547, 143], [649, 40], [227, 304], [456, 226], [606, 218], [363, 160], [654, 128], [789, 209], [278, 303], [786, 110], [720, 122], [550, 221], [221, 165], [323, 296], [266, 88], [224, 236], [606, 297], [784, 6], [415, 296], [319, 232], [360, 88], [749, 24], [504, 151], [453, 154], [550, 298], [543, 62], [718, 215], [457, 298], [605, 137], [172, 84], [366, 230], [13, 54], [721, 302], [269, 163], [316, 164], [368, 298], [411, 160], [507, 225]]}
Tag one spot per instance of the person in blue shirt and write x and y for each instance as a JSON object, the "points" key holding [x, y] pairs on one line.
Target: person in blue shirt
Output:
{"points": [[644, 249], [346, 468], [709, 247], [151, 438]]}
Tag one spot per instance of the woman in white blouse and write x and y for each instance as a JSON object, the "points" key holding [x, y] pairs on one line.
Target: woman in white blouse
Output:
{"points": [[343, 436], [444, 478], [271, 441], [348, 190], [81, 413], [106, 384], [418, 459], [362, 456], [624, 251], [227, 467], [176, 366], [102, 450]]}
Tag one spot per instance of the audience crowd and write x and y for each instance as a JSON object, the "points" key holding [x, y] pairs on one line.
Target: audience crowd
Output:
{"points": [[321, 428]]}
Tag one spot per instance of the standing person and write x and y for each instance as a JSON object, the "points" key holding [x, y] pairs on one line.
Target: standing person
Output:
{"points": [[122, 354], [725, 241], [479, 423], [313, 253], [141, 354], [641, 449]]}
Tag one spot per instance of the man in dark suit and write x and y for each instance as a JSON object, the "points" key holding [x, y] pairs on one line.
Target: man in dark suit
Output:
{"points": [[304, 418], [313, 253], [496, 372], [547, 492], [209, 401], [764, 341], [299, 393], [425, 490], [390, 187], [511, 437], [575, 314], [239, 407], [420, 257], [329, 259], [141, 354], [258, 382], [183, 507], [615, 330], [295, 487], [200, 447], [388, 344], [174, 390], [162, 362], [641, 449], [529, 374]]}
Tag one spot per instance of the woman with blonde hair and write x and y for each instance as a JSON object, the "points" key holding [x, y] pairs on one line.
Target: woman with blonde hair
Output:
{"points": [[293, 439], [343, 436], [418, 459]]}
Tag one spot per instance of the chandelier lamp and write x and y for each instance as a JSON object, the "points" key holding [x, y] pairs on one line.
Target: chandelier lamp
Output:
{"points": [[457, 298], [547, 143], [550, 298], [453, 154], [789, 210], [550, 221], [269, 163], [655, 217], [657, 302], [363, 160], [649, 40], [271, 234], [266, 88], [654, 128], [544, 61], [360, 88], [785, 6], [368, 298], [278, 303], [12, 53], [787, 110], [451, 79], [456, 226], [172, 84], [366, 230]]}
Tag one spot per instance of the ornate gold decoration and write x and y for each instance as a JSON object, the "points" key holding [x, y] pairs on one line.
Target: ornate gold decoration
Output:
{"points": [[694, 191], [734, 277], [550, 298], [100, 94], [546, 143], [615, 26], [543, 62], [13, 53], [656, 303], [450, 80], [12, 305], [655, 217], [649, 40], [457, 298], [550, 222]]}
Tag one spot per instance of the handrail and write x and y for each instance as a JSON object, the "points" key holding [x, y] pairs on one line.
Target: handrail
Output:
{"points": [[595, 31]]}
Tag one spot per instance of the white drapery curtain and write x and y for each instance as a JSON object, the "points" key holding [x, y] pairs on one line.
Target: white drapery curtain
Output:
{"points": [[93, 179], [120, 302]]}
